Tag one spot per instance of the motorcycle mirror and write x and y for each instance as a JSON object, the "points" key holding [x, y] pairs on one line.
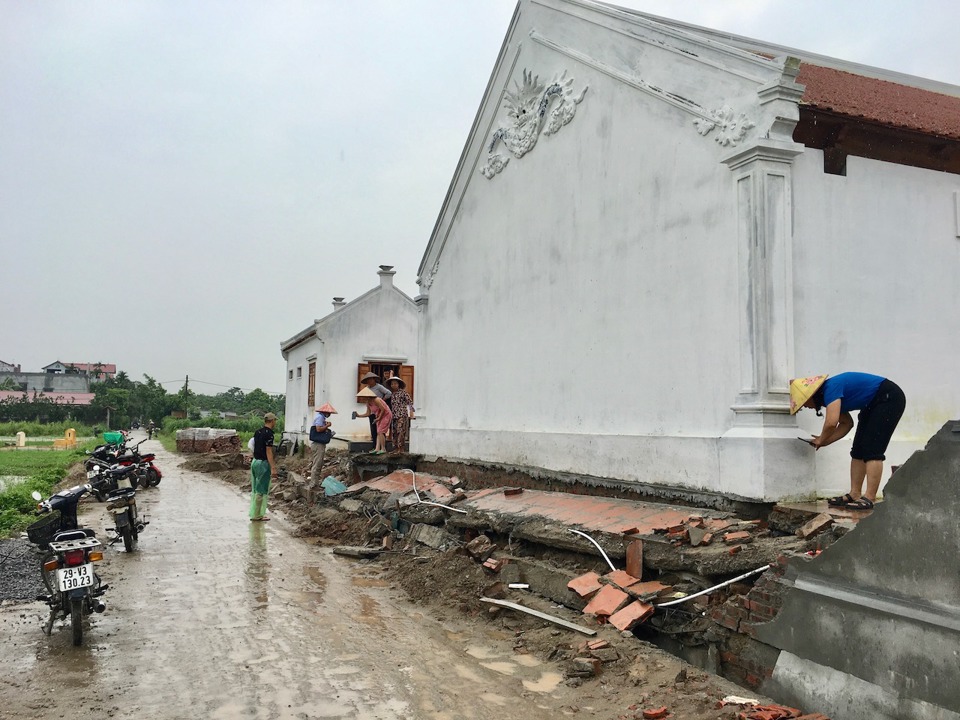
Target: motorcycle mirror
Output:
{"points": [[36, 496], [88, 486]]}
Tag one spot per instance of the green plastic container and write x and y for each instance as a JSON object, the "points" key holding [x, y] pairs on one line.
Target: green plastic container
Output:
{"points": [[113, 438]]}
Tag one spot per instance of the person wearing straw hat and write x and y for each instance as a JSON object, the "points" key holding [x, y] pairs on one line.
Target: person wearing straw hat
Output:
{"points": [[401, 405], [320, 435], [377, 408], [881, 403], [372, 381]]}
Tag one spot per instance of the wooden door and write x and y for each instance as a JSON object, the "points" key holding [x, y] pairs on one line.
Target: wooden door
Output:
{"points": [[311, 385], [406, 374]]}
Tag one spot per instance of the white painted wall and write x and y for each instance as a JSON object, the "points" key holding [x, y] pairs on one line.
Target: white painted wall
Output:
{"points": [[877, 263], [379, 325], [589, 308]]}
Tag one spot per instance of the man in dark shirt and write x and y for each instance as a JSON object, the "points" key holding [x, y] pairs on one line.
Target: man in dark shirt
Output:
{"points": [[263, 468]]}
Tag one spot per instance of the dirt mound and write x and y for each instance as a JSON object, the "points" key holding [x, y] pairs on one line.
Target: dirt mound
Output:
{"points": [[450, 578], [216, 462]]}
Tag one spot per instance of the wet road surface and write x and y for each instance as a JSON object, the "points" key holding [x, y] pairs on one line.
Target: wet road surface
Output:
{"points": [[213, 616]]}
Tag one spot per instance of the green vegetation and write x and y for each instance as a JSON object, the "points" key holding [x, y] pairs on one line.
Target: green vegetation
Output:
{"points": [[35, 429], [124, 400], [43, 470]]}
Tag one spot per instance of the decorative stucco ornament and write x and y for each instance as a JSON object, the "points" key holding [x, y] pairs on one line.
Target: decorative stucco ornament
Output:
{"points": [[731, 127], [527, 108]]}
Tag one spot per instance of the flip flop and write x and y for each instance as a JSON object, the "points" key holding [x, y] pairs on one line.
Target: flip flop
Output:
{"points": [[860, 504], [840, 500]]}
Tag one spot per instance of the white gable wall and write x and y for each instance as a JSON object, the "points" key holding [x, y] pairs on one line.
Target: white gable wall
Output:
{"points": [[584, 315], [381, 325]]}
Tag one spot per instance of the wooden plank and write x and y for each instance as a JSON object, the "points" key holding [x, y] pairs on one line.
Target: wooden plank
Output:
{"points": [[541, 615]]}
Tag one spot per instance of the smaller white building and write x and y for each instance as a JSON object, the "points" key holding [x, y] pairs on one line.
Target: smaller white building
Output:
{"points": [[376, 332]]}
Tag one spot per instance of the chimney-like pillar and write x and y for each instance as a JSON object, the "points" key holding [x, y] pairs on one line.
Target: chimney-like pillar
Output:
{"points": [[386, 276], [338, 303]]}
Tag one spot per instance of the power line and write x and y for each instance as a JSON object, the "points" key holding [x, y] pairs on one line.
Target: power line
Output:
{"points": [[229, 387]]}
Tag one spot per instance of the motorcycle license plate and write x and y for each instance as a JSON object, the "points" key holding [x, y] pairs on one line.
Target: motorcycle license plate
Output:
{"points": [[72, 578], [92, 473], [124, 483]]}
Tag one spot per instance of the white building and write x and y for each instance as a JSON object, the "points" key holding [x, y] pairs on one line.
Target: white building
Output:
{"points": [[653, 227], [375, 332]]}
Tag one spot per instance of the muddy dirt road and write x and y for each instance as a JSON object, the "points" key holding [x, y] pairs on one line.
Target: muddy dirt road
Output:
{"points": [[217, 617]]}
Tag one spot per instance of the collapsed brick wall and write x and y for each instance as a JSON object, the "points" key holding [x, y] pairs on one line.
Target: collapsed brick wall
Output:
{"points": [[743, 658]]}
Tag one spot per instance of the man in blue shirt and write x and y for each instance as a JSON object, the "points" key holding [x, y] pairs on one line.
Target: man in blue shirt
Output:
{"points": [[881, 404]]}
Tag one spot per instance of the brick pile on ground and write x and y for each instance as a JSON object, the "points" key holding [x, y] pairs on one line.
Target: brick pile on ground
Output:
{"points": [[202, 440]]}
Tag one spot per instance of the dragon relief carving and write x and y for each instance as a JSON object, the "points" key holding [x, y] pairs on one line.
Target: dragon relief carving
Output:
{"points": [[527, 108], [730, 126]]}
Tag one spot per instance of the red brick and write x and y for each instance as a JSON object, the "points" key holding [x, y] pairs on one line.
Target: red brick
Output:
{"points": [[707, 539], [493, 564], [732, 538], [597, 644], [634, 550], [815, 526], [656, 713], [607, 601], [735, 549], [512, 491], [585, 585], [633, 614], [621, 578]]}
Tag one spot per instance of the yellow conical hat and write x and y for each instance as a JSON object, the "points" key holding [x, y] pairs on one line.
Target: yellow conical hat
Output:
{"points": [[802, 389], [365, 393]]}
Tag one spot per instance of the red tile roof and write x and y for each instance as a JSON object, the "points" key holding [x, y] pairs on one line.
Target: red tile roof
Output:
{"points": [[880, 101]]}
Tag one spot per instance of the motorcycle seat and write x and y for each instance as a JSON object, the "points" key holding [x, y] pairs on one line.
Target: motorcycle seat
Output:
{"points": [[119, 472], [78, 534], [121, 493]]}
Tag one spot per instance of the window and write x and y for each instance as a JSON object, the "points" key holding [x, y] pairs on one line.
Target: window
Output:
{"points": [[289, 374], [311, 384], [299, 373], [387, 369]]}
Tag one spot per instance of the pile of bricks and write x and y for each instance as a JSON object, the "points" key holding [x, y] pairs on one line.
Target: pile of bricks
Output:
{"points": [[201, 440], [699, 532], [618, 597]]}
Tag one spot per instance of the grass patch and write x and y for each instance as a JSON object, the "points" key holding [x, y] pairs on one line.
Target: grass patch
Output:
{"points": [[43, 471]]}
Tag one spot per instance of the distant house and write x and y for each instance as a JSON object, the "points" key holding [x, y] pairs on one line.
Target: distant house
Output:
{"points": [[6, 367], [55, 378], [96, 371], [376, 332], [653, 227]]}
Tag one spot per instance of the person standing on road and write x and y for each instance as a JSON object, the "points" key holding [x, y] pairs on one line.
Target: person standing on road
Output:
{"points": [[320, 435], [881, 403], [372, 381], [263, 468]]}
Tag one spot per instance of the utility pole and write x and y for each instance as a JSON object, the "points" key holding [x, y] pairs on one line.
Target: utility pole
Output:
{"points": [[186, 386]]}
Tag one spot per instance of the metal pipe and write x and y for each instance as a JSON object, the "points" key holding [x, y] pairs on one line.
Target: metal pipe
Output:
{"points": [[598, 548], [715, 587], [420, 501]]}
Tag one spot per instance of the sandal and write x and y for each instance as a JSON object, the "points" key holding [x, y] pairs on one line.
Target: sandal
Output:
{"points": [[860, 504], [840, 500]]}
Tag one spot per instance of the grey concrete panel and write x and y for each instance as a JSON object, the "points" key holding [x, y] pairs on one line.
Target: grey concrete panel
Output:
{"points": [[883, 603]]}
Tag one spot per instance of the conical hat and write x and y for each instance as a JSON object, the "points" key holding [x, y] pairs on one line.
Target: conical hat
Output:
{"points": [[802, 389], [366, 393], [327, 408]]}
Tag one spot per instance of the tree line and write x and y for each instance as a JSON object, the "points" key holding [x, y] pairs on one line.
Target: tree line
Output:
{"points": [[126, 401]]}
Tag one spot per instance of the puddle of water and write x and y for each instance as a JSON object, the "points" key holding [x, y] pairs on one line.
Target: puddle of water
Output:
{"points": [[548, 681], [369, 611], [481, 653], [467, 674], [367, 582], [527, 661], [504, 668]]}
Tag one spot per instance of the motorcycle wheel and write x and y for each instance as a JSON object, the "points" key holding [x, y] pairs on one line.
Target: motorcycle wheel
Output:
{"points": [[127, 539], [153, 477], [76, 619]]}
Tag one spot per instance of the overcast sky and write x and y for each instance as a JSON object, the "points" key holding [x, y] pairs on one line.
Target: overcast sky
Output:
{"points": [[185, 184]]}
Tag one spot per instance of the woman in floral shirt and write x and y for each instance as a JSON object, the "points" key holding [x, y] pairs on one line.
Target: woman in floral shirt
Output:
{"points": [[402, 406]]}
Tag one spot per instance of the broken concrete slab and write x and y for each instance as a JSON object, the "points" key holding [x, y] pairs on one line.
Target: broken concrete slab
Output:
{"points": [[715, 559], [351, 505], [356, 551], [432, 536]]}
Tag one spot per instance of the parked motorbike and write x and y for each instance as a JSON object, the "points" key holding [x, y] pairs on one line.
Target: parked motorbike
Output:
{"points": [[105, 478], [122, 504], [68, 553], [104, 457]]}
